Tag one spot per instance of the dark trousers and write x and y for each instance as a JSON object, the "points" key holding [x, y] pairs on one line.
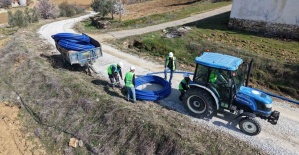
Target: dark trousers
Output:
{"points": [[114, 79], [182, 94]]}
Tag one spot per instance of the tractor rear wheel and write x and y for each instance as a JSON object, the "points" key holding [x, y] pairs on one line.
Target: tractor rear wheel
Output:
{"points": [[199, 103], [250, 126]]}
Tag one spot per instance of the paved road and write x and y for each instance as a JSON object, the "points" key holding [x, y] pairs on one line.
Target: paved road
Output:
{"points": [[280, 139]]}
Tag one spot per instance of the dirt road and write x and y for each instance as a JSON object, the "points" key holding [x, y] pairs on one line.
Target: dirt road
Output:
{"points": [[282, 138]]}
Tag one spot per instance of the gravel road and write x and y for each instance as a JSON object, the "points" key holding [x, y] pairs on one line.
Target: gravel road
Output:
{"points": [[282, 138]]}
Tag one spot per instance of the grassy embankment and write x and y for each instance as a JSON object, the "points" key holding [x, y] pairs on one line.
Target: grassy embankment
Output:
{"points": [[276, 62], [65, 103], [195, 8]]}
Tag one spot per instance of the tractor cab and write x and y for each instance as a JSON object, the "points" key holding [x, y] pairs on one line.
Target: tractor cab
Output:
{"points": [[223, 74]]}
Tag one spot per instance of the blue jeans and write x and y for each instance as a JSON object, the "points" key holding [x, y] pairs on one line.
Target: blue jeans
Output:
{"points": [[171, 74], [131, 90]]}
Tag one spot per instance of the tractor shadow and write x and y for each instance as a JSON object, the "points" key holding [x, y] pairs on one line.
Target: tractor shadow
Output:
{"points": [[228, 120], [56, 62]]}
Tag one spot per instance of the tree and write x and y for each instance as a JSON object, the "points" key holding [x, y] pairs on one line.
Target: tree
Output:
{"points": [[119, 9], [100, 6], [103, 7], [47, 9]]}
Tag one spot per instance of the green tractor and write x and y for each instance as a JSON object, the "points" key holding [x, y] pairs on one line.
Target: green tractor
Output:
{"points": [[220, 84]]}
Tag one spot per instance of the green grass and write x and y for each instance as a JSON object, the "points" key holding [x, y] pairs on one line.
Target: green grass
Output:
{"points": [[196, 8], [275, 60]]}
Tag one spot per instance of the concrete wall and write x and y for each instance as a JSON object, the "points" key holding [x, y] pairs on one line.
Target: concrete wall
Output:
{"points": [[272, 17]]}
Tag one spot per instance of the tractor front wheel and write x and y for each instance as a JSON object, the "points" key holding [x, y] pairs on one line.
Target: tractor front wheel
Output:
{"points": [[250, 126], [199, 102]]}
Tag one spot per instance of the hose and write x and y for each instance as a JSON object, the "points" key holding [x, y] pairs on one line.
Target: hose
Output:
{"points": [[73, 36], [181, 72], [277, 96], [68, 45], [152, 95], [71, 41]]}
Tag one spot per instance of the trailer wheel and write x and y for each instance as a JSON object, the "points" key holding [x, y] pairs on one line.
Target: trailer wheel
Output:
{"points": [[199, 103], [63, 59], [250, 126]]}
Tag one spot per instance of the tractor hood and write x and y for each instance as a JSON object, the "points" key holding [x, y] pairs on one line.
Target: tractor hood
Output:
{"points": [[255, 94]]}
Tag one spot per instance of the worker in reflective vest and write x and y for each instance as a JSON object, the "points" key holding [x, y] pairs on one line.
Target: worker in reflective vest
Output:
{"points": [[113, 71], [170, 64], [130, 84], [184, 85]]}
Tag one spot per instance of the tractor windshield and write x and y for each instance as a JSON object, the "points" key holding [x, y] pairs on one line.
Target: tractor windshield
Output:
{"points": [[239, 76]]}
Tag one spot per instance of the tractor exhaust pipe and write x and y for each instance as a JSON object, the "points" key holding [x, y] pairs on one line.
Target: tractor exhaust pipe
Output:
{"points": [[248, 72]]}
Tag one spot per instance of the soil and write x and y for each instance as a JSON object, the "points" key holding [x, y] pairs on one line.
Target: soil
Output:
{"points": [[154, 7], [12, 140]]}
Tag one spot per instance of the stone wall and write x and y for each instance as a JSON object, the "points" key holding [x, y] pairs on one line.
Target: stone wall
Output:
{"points": [[266, 28]]}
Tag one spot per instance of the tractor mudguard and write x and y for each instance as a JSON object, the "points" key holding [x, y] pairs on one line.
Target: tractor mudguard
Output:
{"points": [[215, 97]]}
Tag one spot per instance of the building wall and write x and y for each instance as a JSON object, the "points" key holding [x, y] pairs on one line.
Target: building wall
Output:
{"points": [[271, 17]]}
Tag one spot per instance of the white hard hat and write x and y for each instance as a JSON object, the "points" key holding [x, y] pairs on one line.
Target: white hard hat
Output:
{"points": [[132, 68], [120, 64], [170, 54], [186, 75]]}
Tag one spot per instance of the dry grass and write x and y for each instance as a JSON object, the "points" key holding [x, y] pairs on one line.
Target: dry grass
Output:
{"points": [[66, 103], [79, 2]]}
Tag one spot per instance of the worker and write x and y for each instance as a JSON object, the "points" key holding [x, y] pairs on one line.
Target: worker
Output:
{"points": [[113, 71], [170, 64], [217, 77], [130, 84], [213, 76], [184, 85]]}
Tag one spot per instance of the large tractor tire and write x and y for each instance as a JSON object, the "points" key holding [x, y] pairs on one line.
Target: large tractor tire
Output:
{"points": [[250, 126], [199, 102]]}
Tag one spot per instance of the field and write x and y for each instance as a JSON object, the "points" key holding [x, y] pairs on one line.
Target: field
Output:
{"points": [[3, 17]]}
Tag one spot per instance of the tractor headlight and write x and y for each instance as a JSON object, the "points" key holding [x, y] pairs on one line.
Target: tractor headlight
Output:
{"points": [[268, 105]]}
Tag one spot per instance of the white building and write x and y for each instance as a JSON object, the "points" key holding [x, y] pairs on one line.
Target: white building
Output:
{"points": [[269, 17]]}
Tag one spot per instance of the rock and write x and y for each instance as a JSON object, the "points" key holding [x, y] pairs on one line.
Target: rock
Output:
{"points": [[98, 23], [73, 142], [80, 143], [125, 44]]}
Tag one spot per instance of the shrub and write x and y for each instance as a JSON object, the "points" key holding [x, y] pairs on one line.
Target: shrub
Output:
{"points": [[31, 15], [22, 19], [47, 9], [69, 10]]}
